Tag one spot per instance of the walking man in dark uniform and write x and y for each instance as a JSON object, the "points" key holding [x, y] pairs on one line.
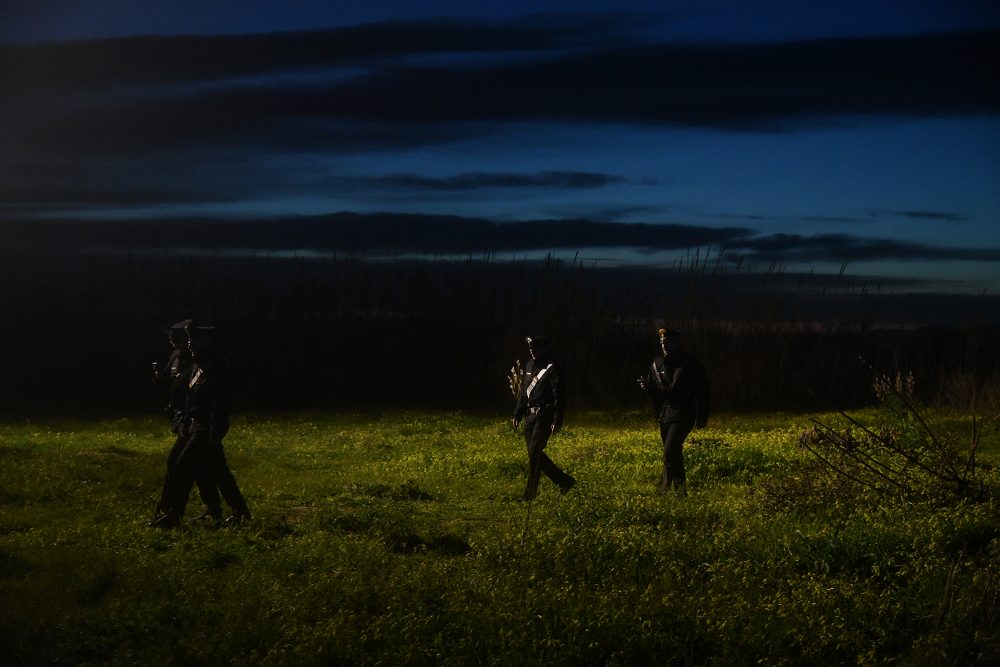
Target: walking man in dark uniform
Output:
{"points": [[175, 378], [678, 386], [206, 417], [541, 405]]}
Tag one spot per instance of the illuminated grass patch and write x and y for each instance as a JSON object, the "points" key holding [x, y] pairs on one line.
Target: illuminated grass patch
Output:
{"points": [[381, 540]]}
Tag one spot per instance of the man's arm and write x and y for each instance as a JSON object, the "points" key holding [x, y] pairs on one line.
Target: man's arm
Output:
{"points": [[557, 381]]}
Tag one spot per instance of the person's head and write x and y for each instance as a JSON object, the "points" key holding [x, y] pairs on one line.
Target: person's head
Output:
{"points": [[670, 340], [177, 335], [538, 346], [200, 341]]}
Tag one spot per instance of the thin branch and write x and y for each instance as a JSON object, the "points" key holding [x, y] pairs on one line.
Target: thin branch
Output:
{"points": [[885, 442], [977, 434], [832, 465], [906, 455], [853, 454]]}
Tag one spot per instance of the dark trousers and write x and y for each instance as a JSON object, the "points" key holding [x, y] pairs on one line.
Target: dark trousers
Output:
{"points": [[207, 488], [537, 430], [203, 455], [673, 433]]}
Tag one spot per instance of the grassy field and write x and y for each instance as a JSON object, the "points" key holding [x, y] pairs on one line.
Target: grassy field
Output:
{"points": [[390, 539]]}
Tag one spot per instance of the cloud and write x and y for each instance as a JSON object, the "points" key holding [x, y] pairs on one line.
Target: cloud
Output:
{"points": [[941, 216], [232, 179], [100, 116], [114, 63], [563, 180], [370, 233], [936, 216], [755, 87], [436, 235], [753, 217], [608, 212], [79, 182], [139, 94], [844, 248]]}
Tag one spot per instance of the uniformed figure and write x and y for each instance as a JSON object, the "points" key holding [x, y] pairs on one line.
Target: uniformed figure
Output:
{"points": [[678, 386], [541, 404], [206, 414], [175, 377]]}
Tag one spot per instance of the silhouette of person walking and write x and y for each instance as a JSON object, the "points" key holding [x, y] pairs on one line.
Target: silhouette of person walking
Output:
{"points": [[175, 377], [678, 386], [541, 405], [206, 422]]}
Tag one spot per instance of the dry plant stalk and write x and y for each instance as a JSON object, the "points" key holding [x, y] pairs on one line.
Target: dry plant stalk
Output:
{"points": [[902, 385], [514, 378]]}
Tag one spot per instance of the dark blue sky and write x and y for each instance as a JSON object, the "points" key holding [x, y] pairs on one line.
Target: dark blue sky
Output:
{"points": [[800, 134]]}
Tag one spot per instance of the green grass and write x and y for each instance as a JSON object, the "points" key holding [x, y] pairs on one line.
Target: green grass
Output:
{"points": [[394, 539]]}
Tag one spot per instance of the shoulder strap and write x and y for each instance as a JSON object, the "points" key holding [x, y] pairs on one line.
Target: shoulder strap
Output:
{"points": [[534, 380], [659, 376]]}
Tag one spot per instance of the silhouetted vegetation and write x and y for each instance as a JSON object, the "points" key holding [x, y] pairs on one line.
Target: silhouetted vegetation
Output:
{"points": [[83, 328]]}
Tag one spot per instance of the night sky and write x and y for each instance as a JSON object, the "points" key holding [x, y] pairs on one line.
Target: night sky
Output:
{"points": [[805, 135]]}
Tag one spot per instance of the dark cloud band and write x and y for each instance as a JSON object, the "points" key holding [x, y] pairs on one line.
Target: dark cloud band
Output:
{"points": [[569, 180], [751, 87], [844, 248], [436, 235]]}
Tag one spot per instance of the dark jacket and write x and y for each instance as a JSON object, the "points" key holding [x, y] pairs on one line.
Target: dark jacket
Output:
{"points": [[208, 395], [178, 374], [175, 380], [678, 387], [543, 387]]}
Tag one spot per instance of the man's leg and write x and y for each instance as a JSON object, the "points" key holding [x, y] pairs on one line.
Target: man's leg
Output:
{"points": [[223, 476], [163, 506], [208, 489], [536, 435], [190, 465], [561, 479], [673, 435]]}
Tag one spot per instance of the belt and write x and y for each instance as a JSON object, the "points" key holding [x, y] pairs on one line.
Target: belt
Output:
{"points": [[539, 408]]}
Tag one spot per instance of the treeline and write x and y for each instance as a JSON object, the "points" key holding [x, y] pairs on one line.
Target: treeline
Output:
{"points": [[81, 331]]}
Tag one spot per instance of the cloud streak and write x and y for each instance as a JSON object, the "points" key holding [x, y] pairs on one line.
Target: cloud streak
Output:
{"points": [[936, 216], [562, 180], [845, 248], [137, 93], [438, 235], [106, 64], [374, 233]]}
